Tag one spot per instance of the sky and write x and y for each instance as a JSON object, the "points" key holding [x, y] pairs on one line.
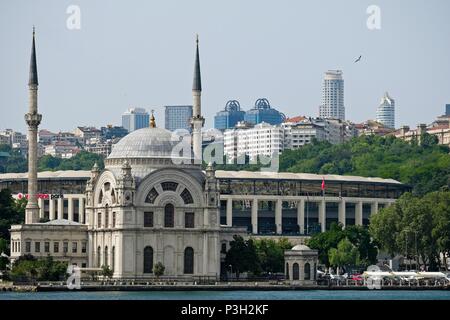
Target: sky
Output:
{"points": [[141, 54]]}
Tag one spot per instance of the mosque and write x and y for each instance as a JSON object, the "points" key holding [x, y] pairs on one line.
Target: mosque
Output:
{"points": [[150, 205]]}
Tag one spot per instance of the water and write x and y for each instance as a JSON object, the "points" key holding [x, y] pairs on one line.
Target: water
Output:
{"points": [[230, 295]]}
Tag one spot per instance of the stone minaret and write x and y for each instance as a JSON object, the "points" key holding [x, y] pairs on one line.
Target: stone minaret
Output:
{"points": [[33, 119], [197, 120]]}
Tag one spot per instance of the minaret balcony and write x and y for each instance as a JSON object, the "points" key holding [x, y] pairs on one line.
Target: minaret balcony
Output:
{"points": [[33, 119]]}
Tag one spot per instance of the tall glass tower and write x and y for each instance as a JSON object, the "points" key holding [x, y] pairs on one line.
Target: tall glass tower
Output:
{"points": [[135, 118], [263, 112], [386, 112], [332, 96], [178, 117], [229, 117]]}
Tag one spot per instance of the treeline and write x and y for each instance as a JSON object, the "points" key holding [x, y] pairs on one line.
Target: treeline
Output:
{"points": [[416, 227], [425, 166], [16, 162]]}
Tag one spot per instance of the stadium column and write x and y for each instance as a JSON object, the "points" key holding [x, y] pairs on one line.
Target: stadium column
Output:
{"points": [[60, 208], [301, 215], [255, 216], [41, 208], [51, 205], [323, 215], [374, 208], [229, 212], [70, 208], [359, 213], [81, 209], [342, 212], [278, 216]]}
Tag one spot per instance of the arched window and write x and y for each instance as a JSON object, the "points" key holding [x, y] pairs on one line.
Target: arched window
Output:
{"points": [[287, 271], [106, 216], [148, 260], [189, 260], [169, 186], [187, 197], [113, 257], [152, 195], [99, 220], [113, 219], [106, 256], [100, 197], [113, 196], [169, 215], [307, 271], [295, 272], [99, 258]]}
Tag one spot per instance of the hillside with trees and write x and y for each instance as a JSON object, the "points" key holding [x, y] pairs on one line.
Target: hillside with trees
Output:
{"points": [[426, 167]]}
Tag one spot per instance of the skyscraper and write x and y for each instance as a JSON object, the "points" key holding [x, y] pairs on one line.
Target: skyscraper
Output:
{"points": [[135, 118], [447, 109], [263, 112], [333, 96], [386, 112], [178, 117], [229, 117]]}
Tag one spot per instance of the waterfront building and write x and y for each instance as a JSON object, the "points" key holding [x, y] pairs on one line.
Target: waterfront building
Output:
{"points": [[332, 96], [229, 117], [135, 118], [386, 112], [178, 117]]}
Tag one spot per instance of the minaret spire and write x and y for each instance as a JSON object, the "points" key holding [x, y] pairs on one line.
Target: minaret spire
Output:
{"points": [[33, 79], [33, 119], [197, 120]]}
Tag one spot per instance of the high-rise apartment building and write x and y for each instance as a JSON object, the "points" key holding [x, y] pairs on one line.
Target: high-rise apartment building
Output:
{"points": [[332, 96], [135, 118], [178, 117], [386, 112]]}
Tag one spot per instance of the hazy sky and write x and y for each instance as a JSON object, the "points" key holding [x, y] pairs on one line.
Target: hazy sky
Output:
{"points": [[141, 53]]}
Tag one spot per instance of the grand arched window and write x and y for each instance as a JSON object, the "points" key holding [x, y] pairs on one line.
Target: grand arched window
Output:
{"points": [[113, 257], [169, 215], [287, 271], [148, 260], [307, 271], [295, 272], [189, 260], [106, 256], [99, 257]]}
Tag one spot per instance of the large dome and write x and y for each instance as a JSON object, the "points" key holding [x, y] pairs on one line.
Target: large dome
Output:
{"points": [[145, 143]]}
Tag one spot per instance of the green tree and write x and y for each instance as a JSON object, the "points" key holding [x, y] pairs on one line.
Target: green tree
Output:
{"points": [[271, 254], [11, 212], [344, 255], [242, 256], [107, 272], [159, 269]]}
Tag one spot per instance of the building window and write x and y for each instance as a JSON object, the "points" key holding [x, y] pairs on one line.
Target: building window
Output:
{"points": [[106, 256], [83, 265], [223, 248], [187, 197], [74, 247], [37, 247], [55, 247], [83, 247], [152, 195], [114, 219], [148, 260], [169, 186], [106, 219], [295, 272], [148, 219], [307, 271], [27, 246], [65, 247], [287, 271], [189, 260], [189, 220], [99, 261], [46, 247], [99, 220], [113, 257], [169, 215]]}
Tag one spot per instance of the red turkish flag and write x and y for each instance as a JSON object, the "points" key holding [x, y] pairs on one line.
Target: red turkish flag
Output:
{"points": [[323, 184]]}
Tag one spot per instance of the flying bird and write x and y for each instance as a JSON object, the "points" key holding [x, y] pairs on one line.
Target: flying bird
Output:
{"points": [[359, 59]]}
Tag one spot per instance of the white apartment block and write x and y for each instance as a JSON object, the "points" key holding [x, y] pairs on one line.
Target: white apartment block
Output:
{"points": [[386, 112], [332, 96]]}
